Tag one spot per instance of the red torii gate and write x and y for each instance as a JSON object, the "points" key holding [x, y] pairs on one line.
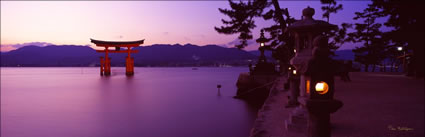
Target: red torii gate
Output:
{"points": [[105, 62]]}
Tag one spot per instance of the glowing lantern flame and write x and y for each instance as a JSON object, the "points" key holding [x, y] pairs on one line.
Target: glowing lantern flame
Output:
{"points": [[322, 87], [262, 44], [307, 84], [294, 72]]}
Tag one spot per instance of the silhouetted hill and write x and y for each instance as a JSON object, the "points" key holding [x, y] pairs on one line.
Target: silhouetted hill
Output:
{"points": [[65, 55], [344, 55], [154, 55], [267, 53]]}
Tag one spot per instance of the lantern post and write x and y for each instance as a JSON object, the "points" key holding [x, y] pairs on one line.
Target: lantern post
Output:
{"points": [[316, 71], [263, 67], [294, 83], [262, 40]]}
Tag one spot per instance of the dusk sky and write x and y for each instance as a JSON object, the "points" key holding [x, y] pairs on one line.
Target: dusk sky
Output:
{"points": [[158, 22]]}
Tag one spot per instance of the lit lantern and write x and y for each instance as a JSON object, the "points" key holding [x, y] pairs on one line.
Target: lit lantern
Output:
{"points": [[294, 72], [399, 48], [316, 71], [262, 40], [307, 86], [322, 87], [289, 68]]}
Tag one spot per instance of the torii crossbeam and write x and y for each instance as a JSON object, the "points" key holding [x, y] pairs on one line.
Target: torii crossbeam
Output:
{"points": [[105, 62]]}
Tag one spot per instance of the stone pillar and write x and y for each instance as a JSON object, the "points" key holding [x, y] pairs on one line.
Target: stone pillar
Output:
{"points": [[319, 125], [315, 67], [319, 116], [294, 92]]}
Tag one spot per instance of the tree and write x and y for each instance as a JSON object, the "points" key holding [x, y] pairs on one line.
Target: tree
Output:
{"points": [[331, 7], [368, 32], [393, 54], [281, 43], [338, 36], [242, 21], [407, 19]]}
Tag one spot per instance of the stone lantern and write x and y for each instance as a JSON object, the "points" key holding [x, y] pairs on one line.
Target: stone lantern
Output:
{"points": [[263, 67], [294, 83], [316, 70], [262, 40]]}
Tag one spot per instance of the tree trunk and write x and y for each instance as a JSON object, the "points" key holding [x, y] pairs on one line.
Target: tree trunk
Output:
{"points": [[283, 67], [279, 14], [366, 67], [385, 67], [392, 66], [418, 58], [282, 21], [373, 67]]}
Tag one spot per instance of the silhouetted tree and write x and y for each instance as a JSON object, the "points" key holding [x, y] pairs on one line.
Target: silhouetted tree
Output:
{"points": [[368, 32], [242, 22], [281, 43], [407, 19], [392, 54], [241, 19], [338, 36], [330, 7]]}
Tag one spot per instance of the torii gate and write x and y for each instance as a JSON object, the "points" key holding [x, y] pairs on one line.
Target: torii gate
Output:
{"points": [[105, 62]]}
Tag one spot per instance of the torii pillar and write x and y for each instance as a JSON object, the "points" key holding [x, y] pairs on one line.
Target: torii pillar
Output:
{"points": [[105, 62]]}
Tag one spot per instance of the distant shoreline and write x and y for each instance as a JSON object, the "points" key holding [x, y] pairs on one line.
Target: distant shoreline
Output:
{"points": [[123, 66]]}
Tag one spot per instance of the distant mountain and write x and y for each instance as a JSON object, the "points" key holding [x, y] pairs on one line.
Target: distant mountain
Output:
{"points": [[65, 55], [267, 53], [344, 55], [154, 55]]}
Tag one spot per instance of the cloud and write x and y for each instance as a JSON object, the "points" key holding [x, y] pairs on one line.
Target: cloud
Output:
{"points": [[5, 48], [8, 47], [165, 33], [40, 44], [232, 44]]}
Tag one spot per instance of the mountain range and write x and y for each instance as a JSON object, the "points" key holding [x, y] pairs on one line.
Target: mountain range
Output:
{"points": [[153, 55]]}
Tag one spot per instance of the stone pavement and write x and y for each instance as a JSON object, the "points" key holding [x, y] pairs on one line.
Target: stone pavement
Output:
{"points": [[375, 105]]}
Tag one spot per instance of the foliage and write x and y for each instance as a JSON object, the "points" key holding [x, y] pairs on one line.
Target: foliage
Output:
{"points": [[242, 21], [331, 7], [407, 19], [369, 33], [281, 43]]}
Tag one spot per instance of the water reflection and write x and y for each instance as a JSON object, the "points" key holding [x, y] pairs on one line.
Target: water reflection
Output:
{"points": [[155, 102]]}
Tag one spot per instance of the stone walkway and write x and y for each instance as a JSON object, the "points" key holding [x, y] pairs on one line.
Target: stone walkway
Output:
{"points": [[375, 105]]}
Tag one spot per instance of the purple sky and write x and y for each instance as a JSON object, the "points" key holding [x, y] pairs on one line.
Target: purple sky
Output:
{"points": [[159, 22]]}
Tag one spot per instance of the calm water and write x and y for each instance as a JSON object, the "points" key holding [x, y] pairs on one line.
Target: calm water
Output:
{"points": [[155, 102]]}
